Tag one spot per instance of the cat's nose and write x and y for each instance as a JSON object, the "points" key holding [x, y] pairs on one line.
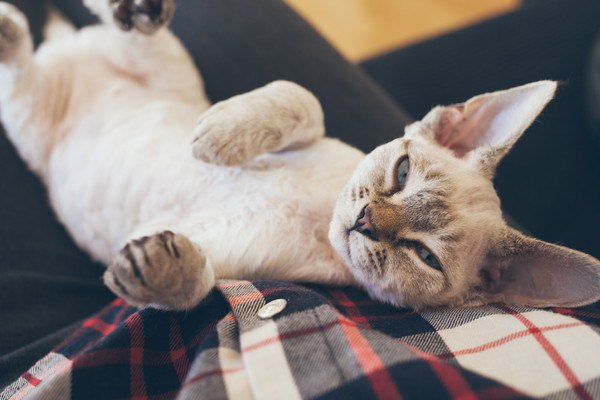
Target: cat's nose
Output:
{"points": [[364, 225]]}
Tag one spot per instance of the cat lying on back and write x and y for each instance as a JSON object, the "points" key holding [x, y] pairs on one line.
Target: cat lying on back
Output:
{"points": [[108, 118]]}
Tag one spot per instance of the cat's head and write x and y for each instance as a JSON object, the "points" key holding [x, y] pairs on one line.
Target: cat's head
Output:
{"points": [[419, 223]]}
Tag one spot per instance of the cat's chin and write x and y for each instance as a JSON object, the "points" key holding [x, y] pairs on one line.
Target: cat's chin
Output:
{"points": [[386, 289], [339, 237]]}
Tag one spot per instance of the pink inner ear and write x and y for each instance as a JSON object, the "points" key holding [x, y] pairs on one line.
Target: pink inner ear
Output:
{"points": [[477, 123], [492, 121]]}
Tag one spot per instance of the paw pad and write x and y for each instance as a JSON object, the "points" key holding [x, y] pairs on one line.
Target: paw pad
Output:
{"points": [[146, 16], [166, 270]]}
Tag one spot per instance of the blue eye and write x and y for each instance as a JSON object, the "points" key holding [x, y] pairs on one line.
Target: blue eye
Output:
{"points": [[402, 171], [427, 257]]}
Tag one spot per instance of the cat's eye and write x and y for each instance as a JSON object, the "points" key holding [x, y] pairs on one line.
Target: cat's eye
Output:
{"points": [[402, 170], [427, 256]]}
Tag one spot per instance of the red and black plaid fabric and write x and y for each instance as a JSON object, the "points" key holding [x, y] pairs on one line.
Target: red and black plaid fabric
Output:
{"points": [[327, 343]]}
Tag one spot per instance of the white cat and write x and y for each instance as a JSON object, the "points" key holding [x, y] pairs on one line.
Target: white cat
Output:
{"points": [[108, 118]]}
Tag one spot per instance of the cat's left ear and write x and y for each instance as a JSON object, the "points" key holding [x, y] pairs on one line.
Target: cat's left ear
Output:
{"points": [[484, 129], [525, 271]]}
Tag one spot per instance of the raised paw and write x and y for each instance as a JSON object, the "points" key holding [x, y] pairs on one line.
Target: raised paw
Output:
{"points": [[233, 132], [279, 116], [165, 271], [13, 30], [146, 16]]}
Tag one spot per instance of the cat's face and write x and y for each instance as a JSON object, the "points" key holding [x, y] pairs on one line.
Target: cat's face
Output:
{"points": [[419, 223], [430, 219]]}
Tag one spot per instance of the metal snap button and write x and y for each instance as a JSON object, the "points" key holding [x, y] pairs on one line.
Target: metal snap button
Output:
{"points": [[271, 309]]}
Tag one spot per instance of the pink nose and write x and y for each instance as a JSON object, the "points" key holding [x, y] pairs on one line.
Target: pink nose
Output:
{"points": [[363, 224]]}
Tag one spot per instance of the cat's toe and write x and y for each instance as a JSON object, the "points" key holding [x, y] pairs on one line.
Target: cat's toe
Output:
{"points": [[146, 16], [163, 270], [122, 13], [235, 131], [229, 135], [13, 30], [214, 145], [114, 283], [151, 15]]}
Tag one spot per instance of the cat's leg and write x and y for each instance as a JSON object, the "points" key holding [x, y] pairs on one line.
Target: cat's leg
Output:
{"points": [[15, 41], [164, 270], [279, 116], [26, 105], [143, 48]]}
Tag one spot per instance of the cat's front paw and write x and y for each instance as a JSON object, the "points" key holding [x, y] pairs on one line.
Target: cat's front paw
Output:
{"points": [[165, 271], [146, 16], [234, 132], [13, 30]]}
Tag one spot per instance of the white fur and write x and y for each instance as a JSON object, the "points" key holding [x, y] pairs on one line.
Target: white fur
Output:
{"points": [[119, 165]]}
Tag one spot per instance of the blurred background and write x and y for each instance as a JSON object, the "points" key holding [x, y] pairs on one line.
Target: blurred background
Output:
{"points": [[361, 29]]}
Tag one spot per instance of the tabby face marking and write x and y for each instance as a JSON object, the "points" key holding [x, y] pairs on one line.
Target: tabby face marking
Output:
{"points": [[428, 210]]}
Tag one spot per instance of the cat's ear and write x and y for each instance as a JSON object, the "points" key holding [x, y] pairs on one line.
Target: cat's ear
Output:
{"points": [[483, 129], [526, 271]]}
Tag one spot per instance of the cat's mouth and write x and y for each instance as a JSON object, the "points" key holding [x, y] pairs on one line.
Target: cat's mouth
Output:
{"points": [[364, 226], [351, 232]]}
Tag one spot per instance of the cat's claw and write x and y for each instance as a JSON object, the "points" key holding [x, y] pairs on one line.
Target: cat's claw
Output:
{"points": [[146, 16], [165, 271], [13, 30]]}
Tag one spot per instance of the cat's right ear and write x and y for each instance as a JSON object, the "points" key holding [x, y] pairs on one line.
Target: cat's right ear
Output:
{"points": [[484, 129]]}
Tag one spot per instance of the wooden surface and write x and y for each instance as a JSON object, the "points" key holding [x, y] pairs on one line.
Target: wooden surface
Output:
{"points": [[362, 28]]}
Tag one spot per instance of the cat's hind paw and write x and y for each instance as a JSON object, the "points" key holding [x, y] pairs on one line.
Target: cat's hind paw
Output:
{"points": [[165, 271], [146, 16], [13, 30]]}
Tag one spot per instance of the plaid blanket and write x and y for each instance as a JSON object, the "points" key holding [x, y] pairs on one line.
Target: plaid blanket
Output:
{"points": [[325, 343]]}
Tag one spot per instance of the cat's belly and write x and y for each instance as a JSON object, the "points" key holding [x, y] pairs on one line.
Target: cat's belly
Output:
{"points": [[140, 180]]}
